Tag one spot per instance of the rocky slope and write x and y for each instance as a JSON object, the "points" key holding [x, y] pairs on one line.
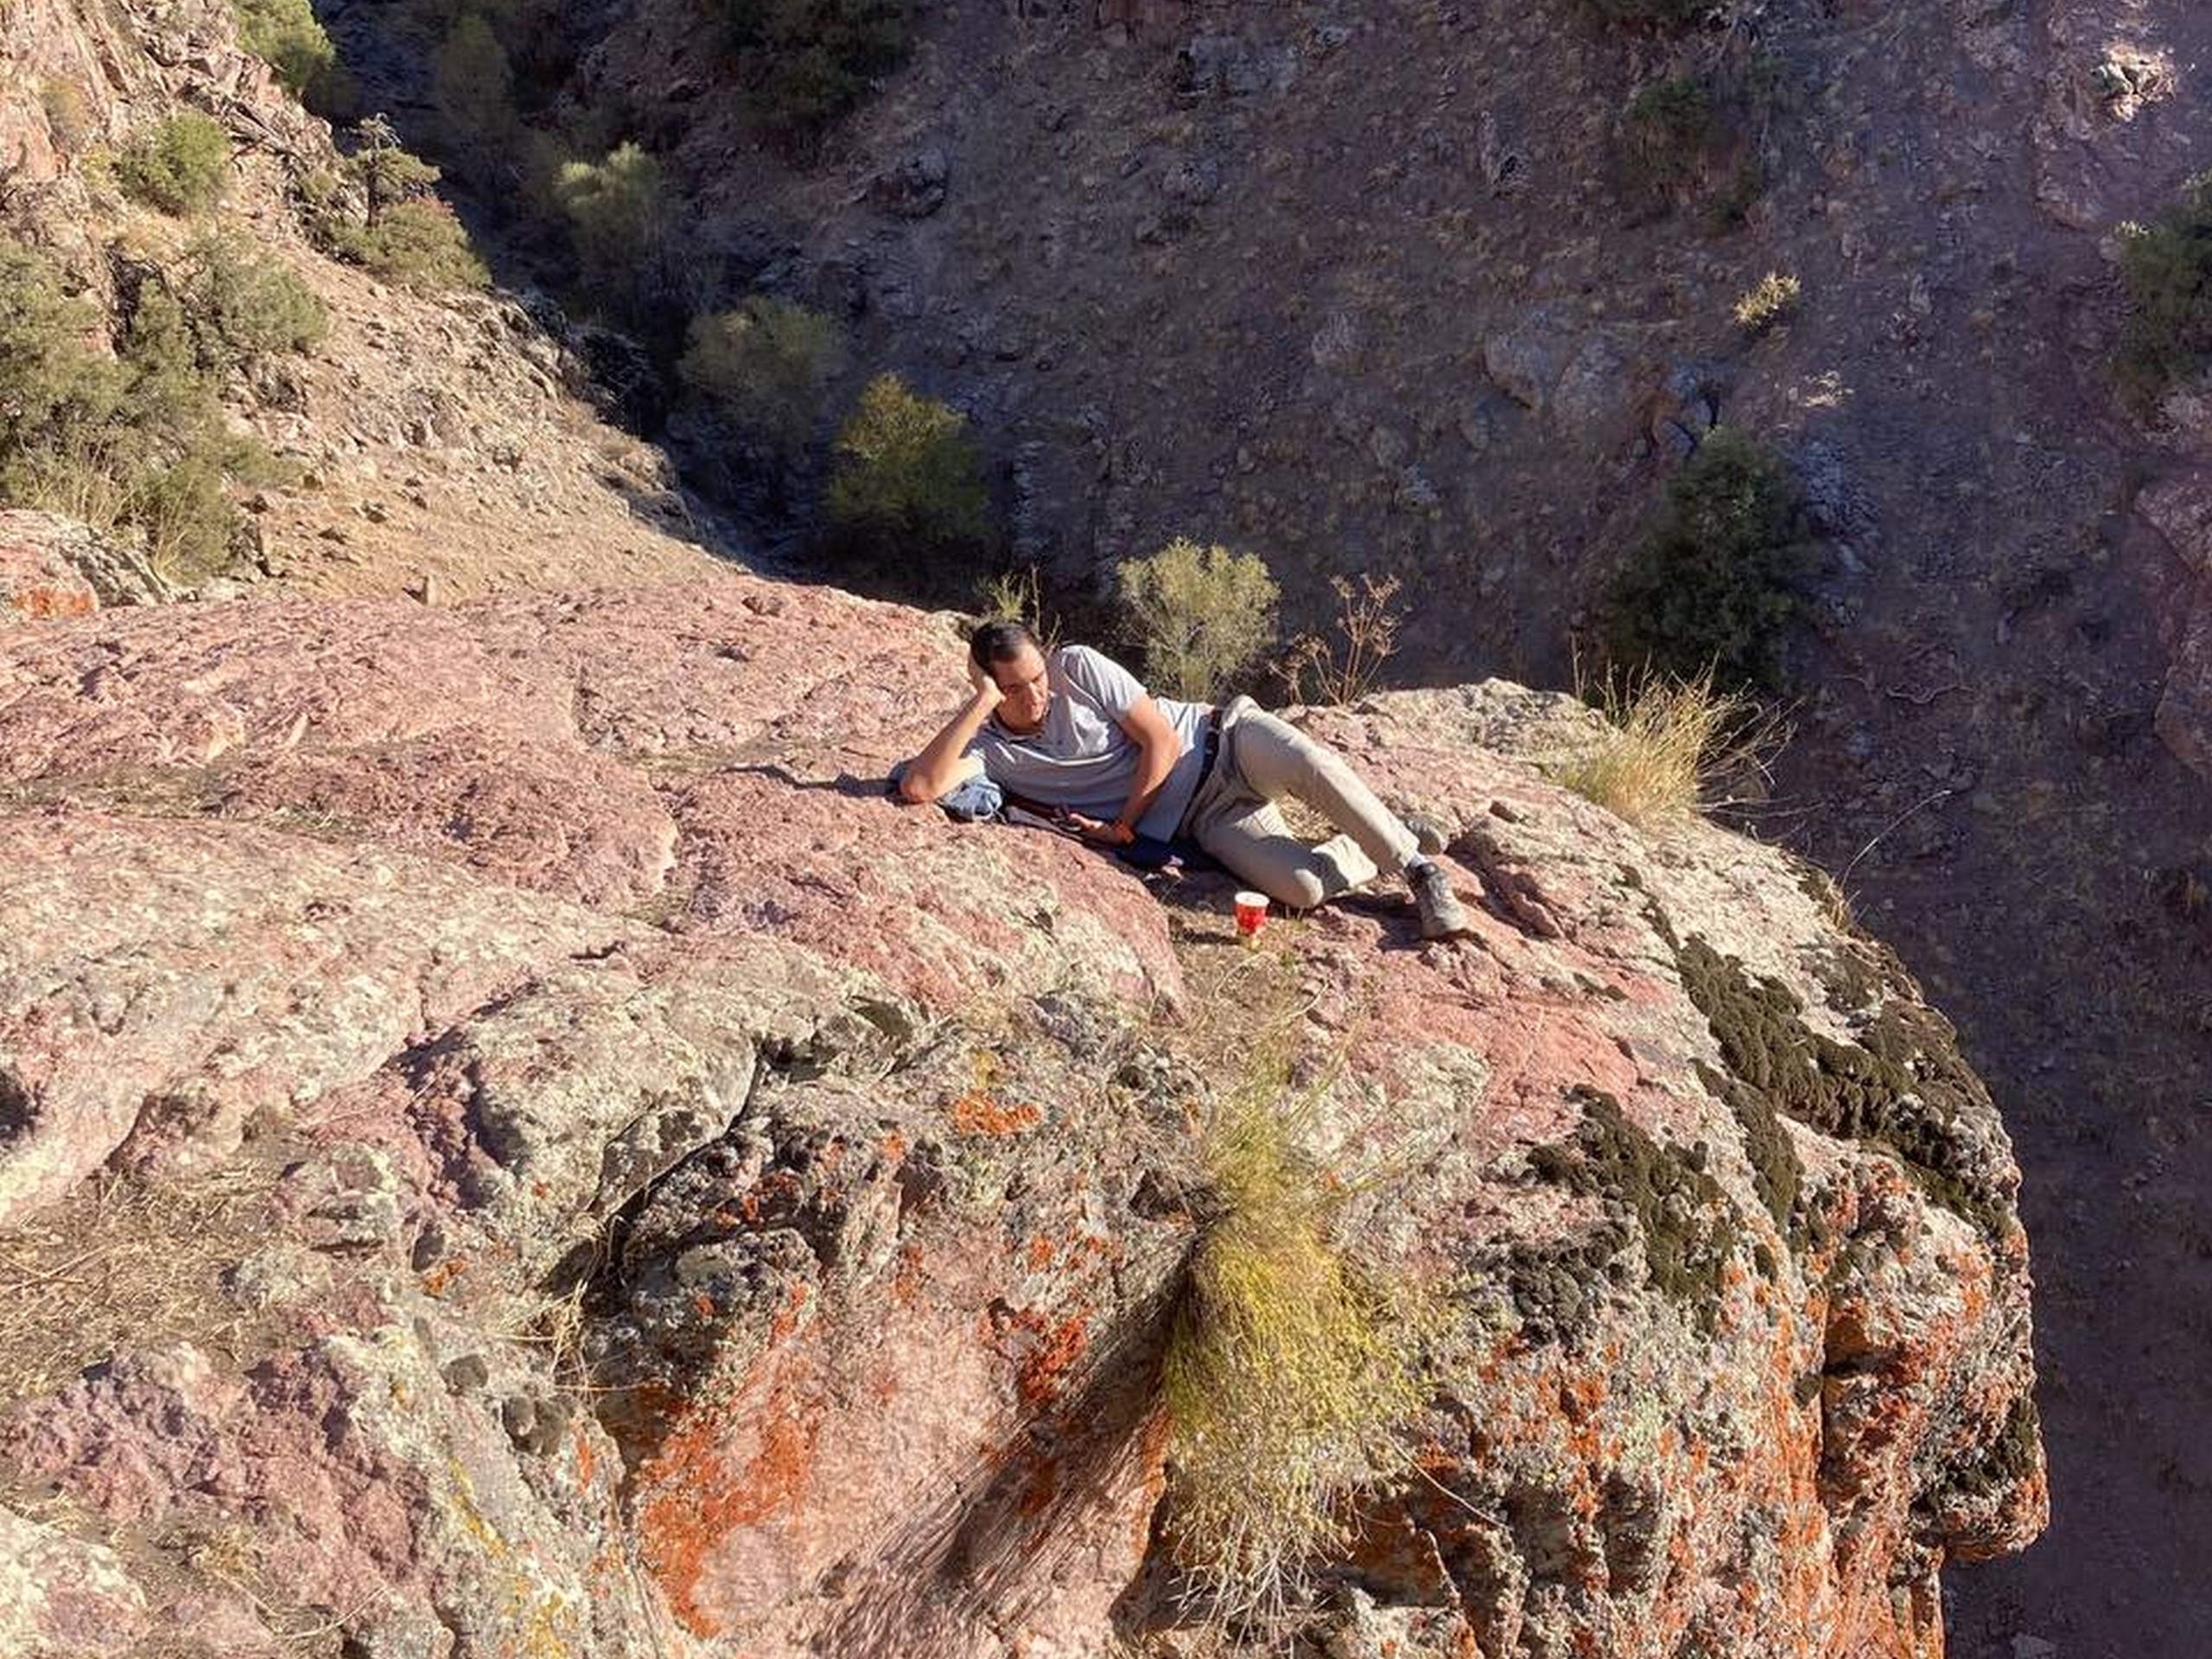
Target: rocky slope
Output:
{"points": [[442, 445], [652, 1193], [1374, 288]]}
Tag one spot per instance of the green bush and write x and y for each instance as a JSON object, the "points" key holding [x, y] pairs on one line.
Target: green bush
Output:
{"points": [[135, 441], [1709, 591], [619, 218], [1671, 128], [180, 166], [287, 35], [419, 244], [473, 86], [2167, 266], [246, 306], [1203, 616], [806, 63], [765, 367], [907, 477]]}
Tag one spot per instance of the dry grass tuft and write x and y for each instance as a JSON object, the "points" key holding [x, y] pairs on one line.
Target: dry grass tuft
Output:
{"points": [[124, 1263], [1770, 301], [1665, 741], [1290, 1369]]}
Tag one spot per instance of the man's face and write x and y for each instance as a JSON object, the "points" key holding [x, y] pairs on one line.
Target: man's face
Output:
{"points": [[1025, 689]]}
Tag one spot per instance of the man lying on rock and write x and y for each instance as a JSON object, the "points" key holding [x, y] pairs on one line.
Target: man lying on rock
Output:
{"points": [[1075, 734]]}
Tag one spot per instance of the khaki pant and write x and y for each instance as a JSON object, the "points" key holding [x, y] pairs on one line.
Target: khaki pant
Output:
{"points": [[1235, 819]]}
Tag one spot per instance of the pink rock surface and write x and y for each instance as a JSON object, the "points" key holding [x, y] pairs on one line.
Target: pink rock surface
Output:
{"points": [[595, 1014]]}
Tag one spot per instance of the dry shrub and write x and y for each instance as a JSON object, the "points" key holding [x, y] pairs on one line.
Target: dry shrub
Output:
{"points": [[1664, 741], [1291, 1369], [1203, 616], [1346, 667], [1018, 595], [1769, 300]]}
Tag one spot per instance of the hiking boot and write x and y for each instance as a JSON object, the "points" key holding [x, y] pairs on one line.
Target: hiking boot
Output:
{"points": [[1442, 915], [1427, 836]]}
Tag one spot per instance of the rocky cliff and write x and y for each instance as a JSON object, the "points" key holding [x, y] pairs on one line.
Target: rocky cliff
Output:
{"points": [[513, 1144]]}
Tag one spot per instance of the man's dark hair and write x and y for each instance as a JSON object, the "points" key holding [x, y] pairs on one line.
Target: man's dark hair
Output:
{"points": [[1000, 642]]}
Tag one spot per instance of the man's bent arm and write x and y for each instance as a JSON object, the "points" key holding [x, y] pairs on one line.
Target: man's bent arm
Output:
{"points": [[1160, 750], [937, 767]]}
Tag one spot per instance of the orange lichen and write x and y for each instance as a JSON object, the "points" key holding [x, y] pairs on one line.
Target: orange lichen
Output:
{"points": [[1039, 1253], [906, 1278], [698, 1499], [1043, 1369], [441, 1277], [976, 1113]]}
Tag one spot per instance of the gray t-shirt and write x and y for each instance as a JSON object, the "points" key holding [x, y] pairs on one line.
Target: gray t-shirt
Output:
{"points": [[1080, 758]]}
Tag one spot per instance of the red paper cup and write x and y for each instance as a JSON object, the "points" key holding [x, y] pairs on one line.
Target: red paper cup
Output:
{"points": [[1251, 913]]}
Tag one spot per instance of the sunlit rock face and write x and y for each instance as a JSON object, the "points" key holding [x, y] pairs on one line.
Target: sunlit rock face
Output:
{"points": [[661, 1194]]}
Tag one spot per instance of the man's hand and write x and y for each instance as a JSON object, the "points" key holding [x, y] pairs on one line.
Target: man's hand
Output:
{"points": [[987, 689], [1097, 830]]}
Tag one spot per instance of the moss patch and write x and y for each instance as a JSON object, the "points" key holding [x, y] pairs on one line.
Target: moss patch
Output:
{"points": [[2008, 1462], [1902, 1085], [1683, 1215]]}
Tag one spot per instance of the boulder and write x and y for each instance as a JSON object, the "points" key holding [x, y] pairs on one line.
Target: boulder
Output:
{"points": [[53, 566], [705, 1202]]}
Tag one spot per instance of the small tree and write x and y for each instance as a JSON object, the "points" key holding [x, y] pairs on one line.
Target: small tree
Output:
{"points": [[472, 84], [907, 473], [387, 172], [765, 367], [1708, 593], [1203, 615], [405, 233], [618, 218], [180, 166]]}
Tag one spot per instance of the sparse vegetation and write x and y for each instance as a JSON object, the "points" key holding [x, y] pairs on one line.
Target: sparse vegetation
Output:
{"points": [[1772, 298], [180, 166], [288, 36], [1709, 594], [765, 367], [121, 1262], [1020, 595], [1669, 133], [908, 478], [378, 214], [1346, 668], [1290, 1371], [619, 217], [1671, 12], [806, 63], [1203, 616], [1663, 740], [2168, 269], [243, 305], [136, 441], [1696, 139]]}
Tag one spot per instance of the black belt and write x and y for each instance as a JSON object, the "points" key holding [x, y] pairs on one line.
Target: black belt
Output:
{"points": [[1207, 758]]}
